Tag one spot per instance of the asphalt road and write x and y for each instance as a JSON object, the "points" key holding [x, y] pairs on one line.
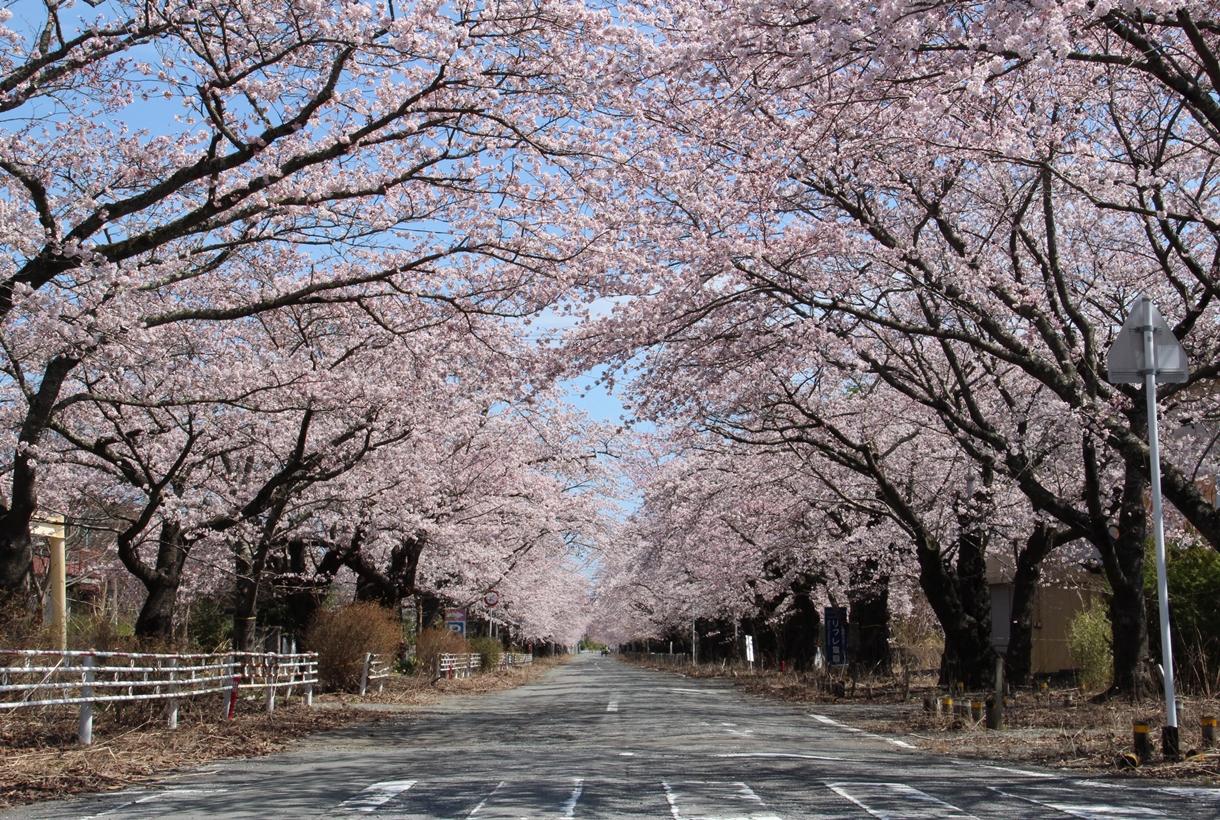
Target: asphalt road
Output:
{"points": [[599, 738]]}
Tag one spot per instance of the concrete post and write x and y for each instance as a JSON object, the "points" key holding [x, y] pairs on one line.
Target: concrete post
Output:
{"points": [[84, 726], [171, 717]]}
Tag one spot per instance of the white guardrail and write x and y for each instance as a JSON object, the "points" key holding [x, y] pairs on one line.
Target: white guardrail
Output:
{"points": [[43, 678], [515, 659], [464, 665], [458, 666]]}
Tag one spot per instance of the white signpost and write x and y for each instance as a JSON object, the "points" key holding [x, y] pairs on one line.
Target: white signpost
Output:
{"points": [[750, 650], [1147, 352]]}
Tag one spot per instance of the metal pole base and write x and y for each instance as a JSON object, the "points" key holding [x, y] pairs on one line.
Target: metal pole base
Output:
{"points": [[1170, 747]]}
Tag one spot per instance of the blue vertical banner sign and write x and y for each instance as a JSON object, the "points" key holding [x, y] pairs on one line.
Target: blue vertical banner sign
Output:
{"points": [[835, 618]]}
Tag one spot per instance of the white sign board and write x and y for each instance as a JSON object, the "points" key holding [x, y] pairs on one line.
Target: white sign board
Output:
{"points": [[749, 648]]}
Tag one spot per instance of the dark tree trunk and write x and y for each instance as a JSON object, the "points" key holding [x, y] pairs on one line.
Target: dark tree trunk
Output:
{"points": [[869, 615], [16, 559], [797, 639], [1018, 656], [245, 601], [1125, 572], [156, 619], [961, 598]]}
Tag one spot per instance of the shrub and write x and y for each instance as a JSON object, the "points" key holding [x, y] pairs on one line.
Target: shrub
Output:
{"points": [[489, 650], [1089, 641], [436, 641], [341, 637], [1193, 578]]}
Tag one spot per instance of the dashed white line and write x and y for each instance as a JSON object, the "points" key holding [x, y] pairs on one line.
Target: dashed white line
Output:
{"points": [[569, 808], [1019, 771], [902, 744], [1085, 811], [612, 706], [375, 796]]}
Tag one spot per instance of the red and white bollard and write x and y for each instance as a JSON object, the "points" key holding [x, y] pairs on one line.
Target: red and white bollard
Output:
{"points": [[232, 713]]}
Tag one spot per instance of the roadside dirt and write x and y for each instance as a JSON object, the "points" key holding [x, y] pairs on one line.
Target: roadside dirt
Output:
{"points": [[40, 759], [1057, 728]]}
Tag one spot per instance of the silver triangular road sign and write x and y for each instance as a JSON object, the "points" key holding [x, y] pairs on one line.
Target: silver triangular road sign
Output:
{"points": [[1125, 362]]}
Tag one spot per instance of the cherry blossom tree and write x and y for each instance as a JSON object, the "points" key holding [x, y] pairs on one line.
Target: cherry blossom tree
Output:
{"points": [[168, 163]]}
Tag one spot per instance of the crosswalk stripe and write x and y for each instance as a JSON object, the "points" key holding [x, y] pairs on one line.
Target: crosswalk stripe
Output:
{"points": [[569, 808], [376, 795], [897, 801]]}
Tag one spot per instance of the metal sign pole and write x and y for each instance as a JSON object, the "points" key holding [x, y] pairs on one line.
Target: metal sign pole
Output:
{"points": [[1169, 739], [1146, 352]]}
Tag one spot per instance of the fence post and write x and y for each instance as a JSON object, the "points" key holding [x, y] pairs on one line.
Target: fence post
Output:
{"points": [[172, 717], [364, 673], [84, 727], [271, 670], [310, 670]]}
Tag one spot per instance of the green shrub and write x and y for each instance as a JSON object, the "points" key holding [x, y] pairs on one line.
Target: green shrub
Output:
{"points": [[343, 636], [1089, 641], [1193, 576], [489, 650]]}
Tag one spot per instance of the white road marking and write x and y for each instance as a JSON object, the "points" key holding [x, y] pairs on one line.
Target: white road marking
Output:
{"points": [[375, 796], [148, 798], [1020, 771], [901, 744], [777, 754], [626, 754], [612, 706], [698, 691], [897, 801], [569, 808], [1085, 811], [673, 803], [483, 802], [743, 792]]}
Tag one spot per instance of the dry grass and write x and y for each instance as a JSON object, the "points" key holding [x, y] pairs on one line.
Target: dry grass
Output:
{"points": [[39, 758]]}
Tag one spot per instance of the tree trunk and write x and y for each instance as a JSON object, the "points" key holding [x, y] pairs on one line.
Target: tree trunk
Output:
{"points": [[1123, 561], [16, 560], [156, 619], [1018, 657], [869, 614], [245, 599]]}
